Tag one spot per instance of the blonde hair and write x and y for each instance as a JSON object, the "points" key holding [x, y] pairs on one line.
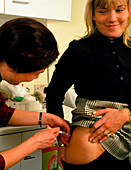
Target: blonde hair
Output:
{"points": [[91, 5]]}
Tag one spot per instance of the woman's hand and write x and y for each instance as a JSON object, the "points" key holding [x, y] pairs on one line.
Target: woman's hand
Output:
{"points": [[110, 123], [45, 138], [61, 155], [61, 150]]}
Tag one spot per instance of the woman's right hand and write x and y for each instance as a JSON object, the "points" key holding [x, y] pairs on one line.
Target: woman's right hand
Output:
{"points": [[45, 138], [61, 155]]}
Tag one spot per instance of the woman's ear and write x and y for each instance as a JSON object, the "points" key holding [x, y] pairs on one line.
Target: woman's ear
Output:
{"points": [[7, 67], [93, 17], [10, 69]]}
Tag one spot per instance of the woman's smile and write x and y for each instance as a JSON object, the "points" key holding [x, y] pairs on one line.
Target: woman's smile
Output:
{"points": [[111, 21]]}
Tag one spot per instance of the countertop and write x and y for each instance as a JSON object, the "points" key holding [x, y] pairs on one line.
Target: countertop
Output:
{"points": [[17, 129]]}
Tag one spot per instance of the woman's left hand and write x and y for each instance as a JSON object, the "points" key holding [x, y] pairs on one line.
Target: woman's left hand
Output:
{"points": [[110, 123]]}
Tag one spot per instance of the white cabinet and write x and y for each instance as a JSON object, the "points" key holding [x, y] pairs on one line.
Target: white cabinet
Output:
{"points": [[10, 141], [47, 9], [32, 161], [13, 136], [2, 6]]}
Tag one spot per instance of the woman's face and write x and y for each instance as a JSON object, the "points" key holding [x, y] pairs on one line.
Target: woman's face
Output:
{"points": [[111, 21], [15, 78]]}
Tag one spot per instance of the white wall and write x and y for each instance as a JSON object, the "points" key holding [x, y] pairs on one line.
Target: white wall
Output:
{"points": [[64, 33]]}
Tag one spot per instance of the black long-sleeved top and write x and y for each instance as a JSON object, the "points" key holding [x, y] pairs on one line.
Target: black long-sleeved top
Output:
{"points": [[98, 67]]}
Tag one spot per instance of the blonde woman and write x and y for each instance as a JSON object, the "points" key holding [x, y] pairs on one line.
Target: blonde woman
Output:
{"points": [[99, 66]]}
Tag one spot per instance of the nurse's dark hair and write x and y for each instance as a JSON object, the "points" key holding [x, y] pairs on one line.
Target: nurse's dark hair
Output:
{"points": [[26, 45]]}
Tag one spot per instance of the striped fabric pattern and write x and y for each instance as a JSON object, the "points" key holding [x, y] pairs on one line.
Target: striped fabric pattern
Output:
{"points": [[120, 144]]}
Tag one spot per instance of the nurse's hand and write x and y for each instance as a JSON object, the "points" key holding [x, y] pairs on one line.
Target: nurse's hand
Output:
{"points": [[55, 121], [45, 138], [109, 124]]}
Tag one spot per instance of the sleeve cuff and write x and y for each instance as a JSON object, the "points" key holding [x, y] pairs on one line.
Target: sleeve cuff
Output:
{"points": [[2, 162]]}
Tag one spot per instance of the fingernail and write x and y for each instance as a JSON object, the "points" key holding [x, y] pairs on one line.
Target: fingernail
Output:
{"points": [[90, 140], [94, 112], [94, 141]]}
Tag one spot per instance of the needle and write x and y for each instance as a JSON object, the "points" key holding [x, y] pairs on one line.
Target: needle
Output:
{"points": [[64, 133]]}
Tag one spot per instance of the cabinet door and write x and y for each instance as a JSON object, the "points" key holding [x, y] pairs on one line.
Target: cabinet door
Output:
{"points": [[34, 160], [47, 9], [10, 141], [1, 6]]}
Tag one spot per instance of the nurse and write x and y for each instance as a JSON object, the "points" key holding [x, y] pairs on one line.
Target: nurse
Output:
{"points": [[27, 48]]}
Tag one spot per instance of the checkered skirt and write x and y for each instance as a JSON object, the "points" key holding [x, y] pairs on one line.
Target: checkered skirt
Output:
{"points": [[119, 145]]}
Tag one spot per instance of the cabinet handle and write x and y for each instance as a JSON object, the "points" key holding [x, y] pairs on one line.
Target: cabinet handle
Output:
{"points": [[29, 157], [21, 1]]}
